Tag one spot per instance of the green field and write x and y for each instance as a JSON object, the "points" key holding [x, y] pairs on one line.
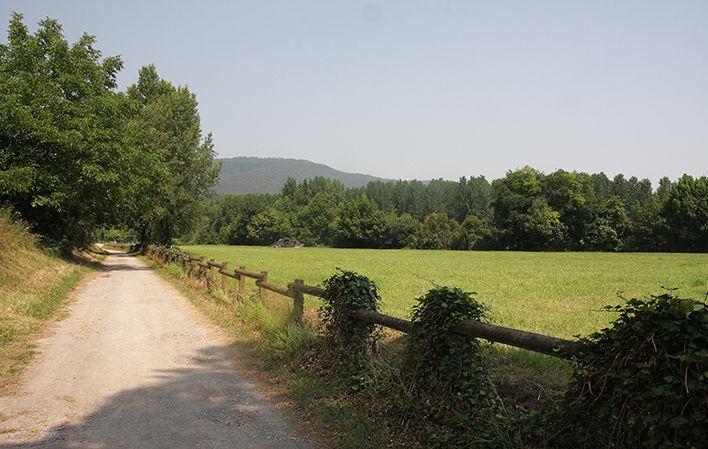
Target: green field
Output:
{"points": [[552, 293]]}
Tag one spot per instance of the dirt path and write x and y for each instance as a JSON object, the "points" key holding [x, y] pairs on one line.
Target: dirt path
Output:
{"points": [[132, 368]]}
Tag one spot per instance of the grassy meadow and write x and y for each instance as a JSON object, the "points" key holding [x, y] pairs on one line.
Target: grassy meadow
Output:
{"points": [[557, 294]]}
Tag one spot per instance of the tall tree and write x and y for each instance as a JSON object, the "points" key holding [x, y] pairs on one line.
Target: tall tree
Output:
{"points": [[438, 231], [167, 130], [522, 214], [359, 223], [685, 214], [60, 132]]}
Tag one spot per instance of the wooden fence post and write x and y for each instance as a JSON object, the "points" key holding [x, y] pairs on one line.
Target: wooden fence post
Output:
{"points": [[261, 290], [241, 285], [224, 267], [211, 272], [298, 303], [201, 269]]}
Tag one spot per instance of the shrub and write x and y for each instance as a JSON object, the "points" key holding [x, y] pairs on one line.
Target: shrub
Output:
{"points": [[451, 391], [472, 232], [349, 341], [399, 231], [641, 382], [437, 232], [359, 223], [268, 226]]}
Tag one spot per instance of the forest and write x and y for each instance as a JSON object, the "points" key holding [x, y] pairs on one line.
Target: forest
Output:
{"points": [[524, 210]]}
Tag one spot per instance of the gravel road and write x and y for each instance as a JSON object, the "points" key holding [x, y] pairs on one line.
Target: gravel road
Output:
{"points": [[131, 367]]}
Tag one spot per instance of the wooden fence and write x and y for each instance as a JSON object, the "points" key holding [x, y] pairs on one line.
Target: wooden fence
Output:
{"points": [[296, 290]]}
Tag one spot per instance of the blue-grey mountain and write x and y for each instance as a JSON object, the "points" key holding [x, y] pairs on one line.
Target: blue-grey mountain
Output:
{"points": [[267, 175]]}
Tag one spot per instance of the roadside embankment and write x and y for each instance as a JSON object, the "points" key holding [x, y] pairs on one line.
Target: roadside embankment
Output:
{"points": [[34, 283]]}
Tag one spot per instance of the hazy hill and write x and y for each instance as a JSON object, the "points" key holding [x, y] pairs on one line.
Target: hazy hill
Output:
{"points": [[267, 175]]}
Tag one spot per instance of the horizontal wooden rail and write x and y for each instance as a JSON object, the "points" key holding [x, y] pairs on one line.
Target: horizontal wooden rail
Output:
{"points": [[304, 288], [276, 288], [248, 274], [229, 274], [532, 341], [392, 322], [544, 344]]}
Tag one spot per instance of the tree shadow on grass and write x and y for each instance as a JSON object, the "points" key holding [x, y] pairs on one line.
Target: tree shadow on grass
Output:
{"points": [[205, 404]]}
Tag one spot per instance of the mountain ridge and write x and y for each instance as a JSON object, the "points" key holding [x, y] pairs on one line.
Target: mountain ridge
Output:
{"points": [[252, 174]]}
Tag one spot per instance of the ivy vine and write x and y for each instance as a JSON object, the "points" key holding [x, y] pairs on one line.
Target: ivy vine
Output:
{"points": [[349, 341], [641, 383], [451, 390]]}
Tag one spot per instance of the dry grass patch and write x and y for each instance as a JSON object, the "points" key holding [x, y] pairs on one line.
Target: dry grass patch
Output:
{"points": [[33, 284]]}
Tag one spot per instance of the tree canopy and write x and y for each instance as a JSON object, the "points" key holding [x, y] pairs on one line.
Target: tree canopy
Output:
{"points": [[524, 210], [77, 154]]}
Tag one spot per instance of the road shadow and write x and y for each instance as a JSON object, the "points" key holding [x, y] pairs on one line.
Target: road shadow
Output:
{"points": [[204, 404]]}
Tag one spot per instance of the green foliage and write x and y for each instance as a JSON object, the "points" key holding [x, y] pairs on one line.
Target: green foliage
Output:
{"points": [[524, 218], [349, 341], [359, 224], [437, 232], [452, 397], [472, 196], [75, 154], [268, 226], [399, 231], [168, 191], [685, 215], [60, 131], [542, 226], [523, 215], [473, 233], [640, 383], [608, 230], [526, 210], [313, 206], [113, 235]]}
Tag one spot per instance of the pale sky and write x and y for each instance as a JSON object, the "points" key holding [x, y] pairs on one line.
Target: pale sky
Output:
{"points": [[413, 89]]}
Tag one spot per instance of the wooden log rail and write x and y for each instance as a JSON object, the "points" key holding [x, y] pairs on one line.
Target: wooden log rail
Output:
{"points": [[248, 274], [531, 341], [544, 344]]}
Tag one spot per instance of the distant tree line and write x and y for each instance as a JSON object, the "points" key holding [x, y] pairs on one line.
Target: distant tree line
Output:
{"points": [[524, 210], [76, 154]]}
